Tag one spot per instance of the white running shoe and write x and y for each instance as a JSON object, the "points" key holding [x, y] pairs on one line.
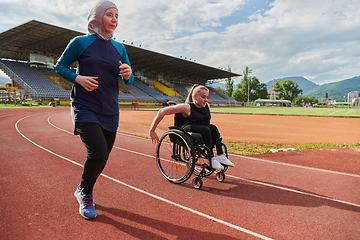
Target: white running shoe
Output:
{"points": [[224, 160], [215, 164]]}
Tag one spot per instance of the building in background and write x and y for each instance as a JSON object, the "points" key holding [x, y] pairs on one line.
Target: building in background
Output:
{"points": [[353, 96]]}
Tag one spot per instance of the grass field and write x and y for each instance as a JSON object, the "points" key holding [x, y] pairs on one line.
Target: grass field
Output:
{"points": [[299, 111], [250, 148], [247, 148], [292, 111]]}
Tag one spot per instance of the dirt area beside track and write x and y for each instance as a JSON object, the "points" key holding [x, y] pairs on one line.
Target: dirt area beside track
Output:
{"points": [[259, 128], [276, 129]]}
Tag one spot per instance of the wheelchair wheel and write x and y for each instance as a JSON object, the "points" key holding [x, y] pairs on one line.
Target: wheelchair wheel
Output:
{"points": [[197, 182], [175, 156], [202, 158], [220, 176]]}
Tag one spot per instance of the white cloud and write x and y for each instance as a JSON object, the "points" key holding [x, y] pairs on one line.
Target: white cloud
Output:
{"points": [[3, 74], [318, 39], [64, 13], [295, 38]]}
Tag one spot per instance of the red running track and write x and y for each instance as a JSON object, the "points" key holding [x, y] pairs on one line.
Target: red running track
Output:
{"points": [[260, 199]]}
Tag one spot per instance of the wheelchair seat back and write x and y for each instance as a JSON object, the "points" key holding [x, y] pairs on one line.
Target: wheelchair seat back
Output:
{"points": [[179, 121]]}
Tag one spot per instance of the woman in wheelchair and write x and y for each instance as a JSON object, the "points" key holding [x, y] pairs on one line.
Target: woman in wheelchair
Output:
{"points": [[196, 118]]}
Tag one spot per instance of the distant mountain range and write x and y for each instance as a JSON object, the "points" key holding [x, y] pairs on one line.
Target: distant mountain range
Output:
{"points": [[335, 90], [303, 83]]}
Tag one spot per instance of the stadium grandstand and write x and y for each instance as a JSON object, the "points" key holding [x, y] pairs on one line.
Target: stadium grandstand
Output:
{"points": [[29, 52]]}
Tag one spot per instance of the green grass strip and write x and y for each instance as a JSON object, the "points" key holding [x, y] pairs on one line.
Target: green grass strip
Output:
{"points": [[248, 148], [287, 111], [291, 111]]}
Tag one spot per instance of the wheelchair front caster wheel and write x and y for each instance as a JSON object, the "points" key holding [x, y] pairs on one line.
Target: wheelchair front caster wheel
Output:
{"points": [[220, 176], [197, 183]]}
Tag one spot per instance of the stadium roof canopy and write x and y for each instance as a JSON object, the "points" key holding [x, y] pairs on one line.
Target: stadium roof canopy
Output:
{"points": [[49, 40]]}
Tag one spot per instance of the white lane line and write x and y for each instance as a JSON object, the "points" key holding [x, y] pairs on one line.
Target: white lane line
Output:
{"points": [[273, 162], [123, 149], [119, 133], [258, 182], [297, 166], [48, 120], [147, 193], [17, 129], [295, 191], [7, 115], [130, 135], [192, 210]]}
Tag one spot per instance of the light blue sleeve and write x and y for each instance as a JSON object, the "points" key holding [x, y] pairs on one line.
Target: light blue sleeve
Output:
{"points": [[125, 59]]}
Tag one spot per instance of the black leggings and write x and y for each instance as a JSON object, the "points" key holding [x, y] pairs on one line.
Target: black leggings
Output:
{"points": [[209, 134], [98, 143]]}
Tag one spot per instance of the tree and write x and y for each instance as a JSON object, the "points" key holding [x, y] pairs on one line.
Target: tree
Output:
{"points": [[238, 95], [287, 89], [260, 89], [229, 85], [306, 100], [252, 86], [326, 95], [313, 100], [245, 83], [298, 100], [220, 89]]}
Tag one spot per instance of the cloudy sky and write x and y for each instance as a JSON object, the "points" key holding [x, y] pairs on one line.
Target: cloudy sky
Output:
{"points": [[316, 39]]}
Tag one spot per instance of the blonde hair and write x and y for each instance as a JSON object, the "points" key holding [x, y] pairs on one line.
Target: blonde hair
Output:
{"points": [[193, 91]]}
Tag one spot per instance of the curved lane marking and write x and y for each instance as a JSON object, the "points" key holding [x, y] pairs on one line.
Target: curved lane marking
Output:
{"points": [[298, 166], [144, 192], [258, 182]]}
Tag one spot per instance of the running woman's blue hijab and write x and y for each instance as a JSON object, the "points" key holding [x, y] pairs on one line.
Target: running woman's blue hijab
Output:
{"points": [[95, 19]]}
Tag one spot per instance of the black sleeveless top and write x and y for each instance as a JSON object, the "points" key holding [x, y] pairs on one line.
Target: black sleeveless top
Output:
{"points": [[199, 116]]}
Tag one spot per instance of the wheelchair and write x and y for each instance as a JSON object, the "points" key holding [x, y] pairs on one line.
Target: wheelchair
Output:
{"points": [[179, 154]]}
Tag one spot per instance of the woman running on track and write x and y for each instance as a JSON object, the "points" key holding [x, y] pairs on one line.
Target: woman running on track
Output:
{"points": [[94, 96]]}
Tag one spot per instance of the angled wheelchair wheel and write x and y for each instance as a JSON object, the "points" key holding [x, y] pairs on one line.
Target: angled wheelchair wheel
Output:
{"points": [[220, 176], [175, 156], [197, 182], [202, 158]]}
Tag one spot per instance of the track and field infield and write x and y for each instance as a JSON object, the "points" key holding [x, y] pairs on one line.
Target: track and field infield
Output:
{"points": [[292, 111], [286, 111], [257, 128]]}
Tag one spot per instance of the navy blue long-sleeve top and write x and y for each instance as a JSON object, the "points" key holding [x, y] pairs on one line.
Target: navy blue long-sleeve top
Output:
{"points": [[96, 58]]}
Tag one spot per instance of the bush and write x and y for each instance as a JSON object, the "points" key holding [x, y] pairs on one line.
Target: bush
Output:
{"points": [[29, 103]]}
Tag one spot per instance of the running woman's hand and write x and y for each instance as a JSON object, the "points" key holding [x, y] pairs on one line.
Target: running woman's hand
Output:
{"points": [[89, 83], [125, 70]]}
